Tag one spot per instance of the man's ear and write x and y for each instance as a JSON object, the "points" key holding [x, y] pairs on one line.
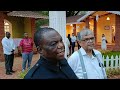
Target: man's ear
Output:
{"points": [[39, 50]]}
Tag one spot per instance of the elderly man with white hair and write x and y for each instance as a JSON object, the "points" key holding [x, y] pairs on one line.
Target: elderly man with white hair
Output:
{"points": [[87, 62]]}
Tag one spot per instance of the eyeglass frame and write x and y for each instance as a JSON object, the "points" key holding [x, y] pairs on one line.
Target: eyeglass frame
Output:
{"points": [[88, 39]]}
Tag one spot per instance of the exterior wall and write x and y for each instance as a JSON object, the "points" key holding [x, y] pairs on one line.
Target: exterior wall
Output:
{"points": [[27, 26], [17, 26], [69, 29], [2, 34], [117, 34], [32, 20], [91, 24], [102, 22], [74, 29], [79, 27]]}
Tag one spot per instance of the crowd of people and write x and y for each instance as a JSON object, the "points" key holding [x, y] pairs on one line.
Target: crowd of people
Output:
{"points": [[84, 63]]}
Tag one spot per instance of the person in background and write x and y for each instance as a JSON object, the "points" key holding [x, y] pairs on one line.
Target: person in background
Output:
{"points": [[78, 43], [8, 50], [67, 47], [104, 42], [26, 47], [73, 40], [69, 38], [87, 62], [52, 63]]}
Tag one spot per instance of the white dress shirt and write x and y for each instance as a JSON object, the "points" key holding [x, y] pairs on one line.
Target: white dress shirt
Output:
{"points": [[92, 67], [8, 45], [73, 39]]}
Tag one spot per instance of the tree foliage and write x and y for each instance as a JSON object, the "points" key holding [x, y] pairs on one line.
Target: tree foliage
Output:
{"points": [[74, 13], [40, 22]]}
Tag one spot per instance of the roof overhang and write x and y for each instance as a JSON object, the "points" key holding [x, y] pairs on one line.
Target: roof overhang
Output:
{"points": [[91, 12], [85, 16], [73, 23], [29, 14]]}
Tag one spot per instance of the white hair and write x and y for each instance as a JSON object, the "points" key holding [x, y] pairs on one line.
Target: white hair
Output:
{"points": [[84, 32]]}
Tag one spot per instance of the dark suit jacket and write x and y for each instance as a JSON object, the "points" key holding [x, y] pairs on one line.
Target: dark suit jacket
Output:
{"points": [[44, 69]]}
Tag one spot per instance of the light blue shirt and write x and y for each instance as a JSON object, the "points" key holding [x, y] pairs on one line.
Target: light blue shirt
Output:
{"points": [[73, 39], [8, 45], [92, 67]]}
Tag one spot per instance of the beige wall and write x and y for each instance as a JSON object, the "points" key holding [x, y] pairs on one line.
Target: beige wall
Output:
{"points": [[102, 22], [79, 27], [27, 26], [69, 29]]}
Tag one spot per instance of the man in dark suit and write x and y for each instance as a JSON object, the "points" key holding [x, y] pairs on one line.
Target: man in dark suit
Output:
{"points": [[52, 64]]}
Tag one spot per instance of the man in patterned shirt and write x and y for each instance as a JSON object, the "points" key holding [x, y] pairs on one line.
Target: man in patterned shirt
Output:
{"points": [[26, 46]]}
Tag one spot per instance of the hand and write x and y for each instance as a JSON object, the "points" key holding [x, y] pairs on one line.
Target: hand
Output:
{"points": [[12, 50]]}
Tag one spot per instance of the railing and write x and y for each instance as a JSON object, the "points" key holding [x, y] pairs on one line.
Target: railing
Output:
{"points": [[111, 62]]}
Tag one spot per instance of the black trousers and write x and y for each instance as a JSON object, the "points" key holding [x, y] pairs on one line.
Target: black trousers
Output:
{"points": [[9, 59], [73, 46]]}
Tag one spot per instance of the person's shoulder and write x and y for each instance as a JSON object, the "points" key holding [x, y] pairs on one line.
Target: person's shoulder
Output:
{"points": [[30, 37], [96, 51], [33, 70], [3, 38], [74, 55]]}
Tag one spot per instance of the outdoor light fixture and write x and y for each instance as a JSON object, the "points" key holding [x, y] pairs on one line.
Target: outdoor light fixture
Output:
{"points": [[108, 18], [71, 25]]}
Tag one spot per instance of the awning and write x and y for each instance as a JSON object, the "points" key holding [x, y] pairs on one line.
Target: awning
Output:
{"points": [[91, 12], [29, 14]]}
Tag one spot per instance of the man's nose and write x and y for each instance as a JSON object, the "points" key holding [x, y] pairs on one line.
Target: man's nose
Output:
{"points": [[60, 44]]}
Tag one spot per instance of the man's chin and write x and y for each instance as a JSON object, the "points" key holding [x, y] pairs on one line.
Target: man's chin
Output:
{"points": [[61, 57], [91, 48]]}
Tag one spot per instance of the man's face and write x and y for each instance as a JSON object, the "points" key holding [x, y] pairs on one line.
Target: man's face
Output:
{"points": [[88, 42], [8, 35], [52, 46], [25, 35], [72, 34]]}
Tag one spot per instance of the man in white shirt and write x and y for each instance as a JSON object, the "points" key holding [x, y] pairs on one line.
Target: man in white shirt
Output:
{"points": [[87, 62], [73, 40], [8, 49]]}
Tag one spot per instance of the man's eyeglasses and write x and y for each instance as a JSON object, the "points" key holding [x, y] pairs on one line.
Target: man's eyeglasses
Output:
{"points": [[88, 39]]}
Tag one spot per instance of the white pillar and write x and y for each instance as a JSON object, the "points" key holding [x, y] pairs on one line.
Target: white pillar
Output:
{"points": [[57, 20]]}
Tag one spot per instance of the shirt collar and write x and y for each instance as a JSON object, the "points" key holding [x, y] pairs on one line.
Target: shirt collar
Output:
{"points": [[6, 38], [84, 52], [53, 67]]}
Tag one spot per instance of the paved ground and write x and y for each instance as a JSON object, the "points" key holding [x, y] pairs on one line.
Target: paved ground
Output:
{"points": [[16, 67]]}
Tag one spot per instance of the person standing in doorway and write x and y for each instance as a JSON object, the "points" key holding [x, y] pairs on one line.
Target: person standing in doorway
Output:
{"points": [[73, 40], [26, 46], [8, 49], [103, 43]]}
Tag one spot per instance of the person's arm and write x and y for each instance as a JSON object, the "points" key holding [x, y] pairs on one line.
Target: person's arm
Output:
{"points": [[68, 42], [13, 46], [20, 47], [74, 63]]}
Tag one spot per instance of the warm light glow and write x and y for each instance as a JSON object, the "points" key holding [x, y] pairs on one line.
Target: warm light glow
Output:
{"points": [[108, 18], [6, 23], [70, 24]]}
